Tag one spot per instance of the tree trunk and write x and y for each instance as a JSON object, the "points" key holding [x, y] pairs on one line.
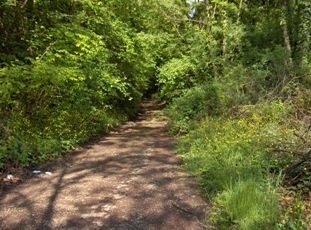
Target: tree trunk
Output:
{"points": [[239, 12], [286, 37]]}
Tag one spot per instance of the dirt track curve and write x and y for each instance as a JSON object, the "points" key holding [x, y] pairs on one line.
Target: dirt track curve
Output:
{"points": [[128, 180]]}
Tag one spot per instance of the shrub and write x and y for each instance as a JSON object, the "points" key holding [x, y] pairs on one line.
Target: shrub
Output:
{"points": [[232, 158], [175, 76], [193, 106]]}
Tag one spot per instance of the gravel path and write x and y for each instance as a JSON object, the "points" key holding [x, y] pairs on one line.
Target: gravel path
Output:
{"points": [[129, 179]]}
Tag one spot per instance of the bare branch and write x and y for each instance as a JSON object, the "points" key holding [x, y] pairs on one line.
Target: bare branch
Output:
{"points": [[24, 4]]}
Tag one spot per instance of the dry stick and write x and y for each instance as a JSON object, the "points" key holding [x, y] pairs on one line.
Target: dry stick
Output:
{"points": [[304, 158], [46, 50], [24, 4], [176, 206]]}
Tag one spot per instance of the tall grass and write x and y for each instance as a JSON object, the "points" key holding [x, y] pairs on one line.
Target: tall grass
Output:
{"points": [[248, 204]]}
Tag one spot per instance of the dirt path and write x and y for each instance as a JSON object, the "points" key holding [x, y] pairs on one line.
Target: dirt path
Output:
{"points": [[129, 179]]}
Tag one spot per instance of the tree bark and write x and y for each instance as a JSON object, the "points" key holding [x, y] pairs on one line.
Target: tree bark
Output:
{"points": [[286, 37]]}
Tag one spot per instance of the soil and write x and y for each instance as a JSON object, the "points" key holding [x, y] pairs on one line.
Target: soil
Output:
{"points": [[128, 179]]}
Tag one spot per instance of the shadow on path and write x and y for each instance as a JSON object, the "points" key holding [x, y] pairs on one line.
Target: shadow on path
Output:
{"points": [[129, 179]]}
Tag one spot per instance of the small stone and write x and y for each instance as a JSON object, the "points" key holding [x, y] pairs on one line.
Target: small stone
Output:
{"points": [[9, 177]]}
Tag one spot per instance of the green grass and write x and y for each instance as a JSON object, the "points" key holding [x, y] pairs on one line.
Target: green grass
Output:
{"points": [[232, 160], [248, 205]]}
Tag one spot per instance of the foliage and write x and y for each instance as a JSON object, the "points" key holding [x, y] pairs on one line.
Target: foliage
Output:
{"points": [[82, 71], [238, 87], [193, 106], [234, 160], [243, 116], [172, 77]]}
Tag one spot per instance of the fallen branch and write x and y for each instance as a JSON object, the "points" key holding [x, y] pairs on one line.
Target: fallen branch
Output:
{"points": [[304, 158], [176, 206]]}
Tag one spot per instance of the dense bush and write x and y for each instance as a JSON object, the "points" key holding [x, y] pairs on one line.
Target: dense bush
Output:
{"points": [[194, 104], [175, 76], [84, 70]]}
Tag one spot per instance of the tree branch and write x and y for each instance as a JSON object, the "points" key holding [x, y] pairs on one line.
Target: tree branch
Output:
{"points": [[304, 158]]}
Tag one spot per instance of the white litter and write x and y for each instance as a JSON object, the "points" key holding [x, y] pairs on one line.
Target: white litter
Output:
{"points": [[48, 173], [36, 171], [9, 177]]}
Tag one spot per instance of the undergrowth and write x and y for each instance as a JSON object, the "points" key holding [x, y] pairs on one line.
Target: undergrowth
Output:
{"points": [[26, 142], [237, 161]]}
